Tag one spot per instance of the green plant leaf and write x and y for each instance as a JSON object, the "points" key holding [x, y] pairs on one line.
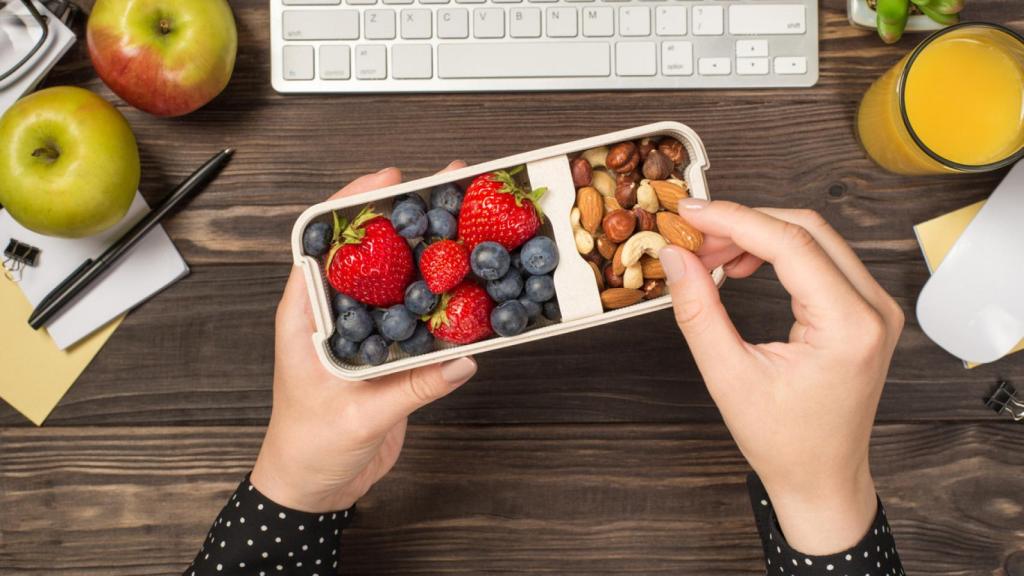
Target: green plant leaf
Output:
{"points": [[892, 19], [944, 19]]}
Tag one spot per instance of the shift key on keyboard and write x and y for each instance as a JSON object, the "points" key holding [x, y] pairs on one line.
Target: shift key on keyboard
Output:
{"points": [[523, 60], [320, 24], [767, 19]]}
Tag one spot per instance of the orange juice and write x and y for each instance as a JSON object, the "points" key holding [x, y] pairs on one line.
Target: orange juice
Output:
{"points": [[955, 104]]}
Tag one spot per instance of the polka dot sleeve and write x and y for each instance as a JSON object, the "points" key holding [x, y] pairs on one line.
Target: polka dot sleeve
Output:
{"points": [[253, 535], [874, 555]]}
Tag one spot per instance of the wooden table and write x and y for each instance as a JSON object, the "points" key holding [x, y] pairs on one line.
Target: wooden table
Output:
{"points": [[598, 452]]}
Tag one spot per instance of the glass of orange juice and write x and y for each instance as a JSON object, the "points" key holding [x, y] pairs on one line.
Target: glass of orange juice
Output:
{"points": [[954, 104]]}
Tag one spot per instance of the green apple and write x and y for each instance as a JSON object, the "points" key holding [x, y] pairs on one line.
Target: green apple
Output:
{"points": [[166, 57], [69, 165]]}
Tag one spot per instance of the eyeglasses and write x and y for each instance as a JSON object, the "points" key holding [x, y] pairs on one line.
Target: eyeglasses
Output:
{"points": [[24, 31]]}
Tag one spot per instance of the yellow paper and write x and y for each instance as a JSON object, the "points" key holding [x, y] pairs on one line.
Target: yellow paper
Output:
{"points": [[34, 374], [937, 237]]}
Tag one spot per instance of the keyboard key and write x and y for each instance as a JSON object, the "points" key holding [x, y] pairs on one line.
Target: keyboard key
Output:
{"points": [[488, 23], [379, 24], [397, 1], [506, 1], [752, 48], [320, 24], [670, 20], [412, 61], [791, 65], [297, 63], [360, 2], [561, 22], [434, 1], [598, 22], [416, 24], [543, 1], [453, 23], [335, 62], [523, 60], [635, 21], [676, 58], [371, 62], [470, 1], [714, 66], [524, 23], [708, 21], [311, 2], [767, 19], [636, 59], [751, 66]]}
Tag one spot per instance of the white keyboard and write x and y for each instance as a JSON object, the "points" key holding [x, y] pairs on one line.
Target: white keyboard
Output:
{"points": [[510, 45]]}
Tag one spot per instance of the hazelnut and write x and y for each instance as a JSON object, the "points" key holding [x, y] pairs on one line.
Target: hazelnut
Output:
{"points": [[593, 256], [581, 172], [623, 157], [645, 221], [606, 247], [633, 176], [625, 194], [657, 166], [611, 279], [653, 289], [618, 225], [644, 147], [675, 151]]}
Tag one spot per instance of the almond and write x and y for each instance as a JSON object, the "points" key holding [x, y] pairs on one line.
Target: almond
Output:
{"points": [[652, 268], [611, 204], [679, 232], [591, 206], [606, 247], [598, 276], [618, 268], [613, 298], [669, 194]]}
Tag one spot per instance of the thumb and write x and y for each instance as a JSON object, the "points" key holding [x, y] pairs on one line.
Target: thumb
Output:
{"points": [[710, 334], [403, 394]]}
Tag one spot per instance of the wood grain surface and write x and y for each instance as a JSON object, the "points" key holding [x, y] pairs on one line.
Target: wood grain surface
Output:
{"points": [[593, 453]]}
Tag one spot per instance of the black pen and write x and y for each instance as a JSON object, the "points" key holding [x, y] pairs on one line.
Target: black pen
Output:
{"points": [[92, 269]]}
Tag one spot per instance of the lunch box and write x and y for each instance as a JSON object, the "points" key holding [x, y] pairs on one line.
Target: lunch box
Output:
{"points": [[575, 287]]}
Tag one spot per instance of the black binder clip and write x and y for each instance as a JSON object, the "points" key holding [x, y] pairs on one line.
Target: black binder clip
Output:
{"points": [[17, 256], [1004, 401]]}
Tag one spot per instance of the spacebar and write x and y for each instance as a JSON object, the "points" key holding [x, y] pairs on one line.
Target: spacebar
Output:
{"points": [[523, 60]]}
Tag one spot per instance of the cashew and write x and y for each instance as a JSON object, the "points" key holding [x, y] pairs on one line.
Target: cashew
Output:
{"points": [[596, 156], [574, 218], [584, 241], [649, 243], [634, 277], [604, 182], [647, 198]]}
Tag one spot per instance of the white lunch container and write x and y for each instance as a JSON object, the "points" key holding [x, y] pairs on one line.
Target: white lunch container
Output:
{"points": [[575, 288]]}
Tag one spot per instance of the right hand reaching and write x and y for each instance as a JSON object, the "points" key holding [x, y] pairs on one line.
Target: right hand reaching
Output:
{"points": [[801, 411]]}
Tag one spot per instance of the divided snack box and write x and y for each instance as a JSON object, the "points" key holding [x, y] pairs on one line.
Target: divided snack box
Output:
{"points": [[575, 278]]}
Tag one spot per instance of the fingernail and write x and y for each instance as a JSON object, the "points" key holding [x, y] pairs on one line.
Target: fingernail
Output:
{"points": [[456, 372], [384, 170], [692, 204], [673, 264]]}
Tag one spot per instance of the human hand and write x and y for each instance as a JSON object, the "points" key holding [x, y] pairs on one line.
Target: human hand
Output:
{"points": [[800, 411], [330, 439]]}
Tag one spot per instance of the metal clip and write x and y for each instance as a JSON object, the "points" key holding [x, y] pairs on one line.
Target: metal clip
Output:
{"points": [[1004, 401], [17, 256]]}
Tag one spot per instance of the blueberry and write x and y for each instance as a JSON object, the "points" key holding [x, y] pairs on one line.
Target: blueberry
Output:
{"points": [[417, 252], [508, 287], [344, 302], [540, 255], [342, 348], [552, 311], [354, 324], [409, 220], [447, 197], [490, 260], [517, 261], [532, 308], [540, 288], [374, 350], [316, 240], [378, 319], [410, 198], [421, 341], [398, 323], [509, 318], [441, 224], [419, 299]]}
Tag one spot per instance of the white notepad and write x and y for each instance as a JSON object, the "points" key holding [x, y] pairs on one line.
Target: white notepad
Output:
{"points": [[152, 265], [60, 40]]}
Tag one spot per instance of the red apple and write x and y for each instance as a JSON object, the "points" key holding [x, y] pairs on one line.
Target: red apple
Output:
{"points": [[166, 57]]}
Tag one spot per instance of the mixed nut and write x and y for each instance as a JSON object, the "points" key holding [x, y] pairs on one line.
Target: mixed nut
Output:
{"points": [[626, 211]]}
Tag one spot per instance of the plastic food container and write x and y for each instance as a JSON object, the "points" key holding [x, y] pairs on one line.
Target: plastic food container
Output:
{"points": [[575, 287]]}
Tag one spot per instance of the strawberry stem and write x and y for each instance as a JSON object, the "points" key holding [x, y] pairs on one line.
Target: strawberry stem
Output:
{"points": [[510, 186], [440, 315]]}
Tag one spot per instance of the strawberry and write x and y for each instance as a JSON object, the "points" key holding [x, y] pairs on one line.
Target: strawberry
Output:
{"points": [[443, 265], [496, 209], [369, 261], [463, 316]]}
